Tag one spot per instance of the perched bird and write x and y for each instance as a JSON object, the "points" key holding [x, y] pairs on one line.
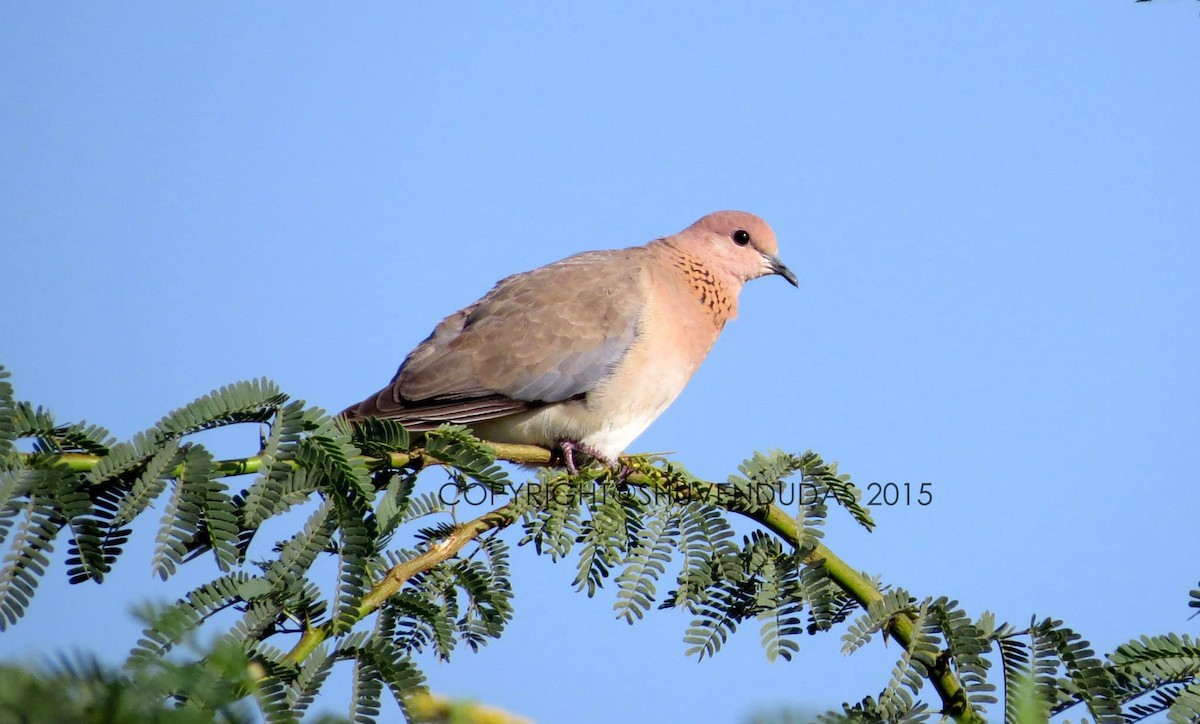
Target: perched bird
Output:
{"points": [[584, 353]]}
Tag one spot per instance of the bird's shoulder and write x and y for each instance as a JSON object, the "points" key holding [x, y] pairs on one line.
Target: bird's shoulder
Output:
{"points": [[616, 268], [543, 335], [601, 292]]}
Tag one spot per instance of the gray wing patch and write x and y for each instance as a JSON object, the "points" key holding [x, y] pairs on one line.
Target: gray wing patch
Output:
{"points": [[574, 374]]}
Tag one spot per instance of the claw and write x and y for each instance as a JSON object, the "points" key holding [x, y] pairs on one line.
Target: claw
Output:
{"points": [[568, 448], [623, 471]]}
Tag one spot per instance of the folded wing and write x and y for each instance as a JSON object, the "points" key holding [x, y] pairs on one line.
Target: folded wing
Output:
{"points": [[536, 338]]}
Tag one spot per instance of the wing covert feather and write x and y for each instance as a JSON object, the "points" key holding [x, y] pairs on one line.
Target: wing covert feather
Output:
{"points": [[538, 337]]}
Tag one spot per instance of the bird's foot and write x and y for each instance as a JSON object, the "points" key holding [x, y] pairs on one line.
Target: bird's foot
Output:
{"points": [[622, 472], [568, 448]]}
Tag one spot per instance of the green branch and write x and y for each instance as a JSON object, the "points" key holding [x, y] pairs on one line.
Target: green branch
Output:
{"points": [[771, 517]]}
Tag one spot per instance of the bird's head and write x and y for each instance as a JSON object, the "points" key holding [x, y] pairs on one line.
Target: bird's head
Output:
{"points": [[738, 244]]}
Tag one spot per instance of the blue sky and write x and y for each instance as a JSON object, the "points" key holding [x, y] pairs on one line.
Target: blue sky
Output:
{"points": [[992, 209]]}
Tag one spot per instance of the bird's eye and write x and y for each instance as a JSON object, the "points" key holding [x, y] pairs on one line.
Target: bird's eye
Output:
{"points": [[741, 237]]}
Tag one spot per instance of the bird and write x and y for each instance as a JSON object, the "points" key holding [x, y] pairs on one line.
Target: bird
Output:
{"points": [[582, 355]]}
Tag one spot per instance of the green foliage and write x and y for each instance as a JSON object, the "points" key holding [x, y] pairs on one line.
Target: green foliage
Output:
{"points": [[27, 559], [965, 644], [8, 421], [1087, 680], [709, 555], [1049, 668], [915, 665], [765, 476], [79, 690], [870, 710], [552, 520], [878, 615], [412, 578], [473, 460], [171, 626], [186, 517], [824, 478], [1167, 665], [273, 490], [647, 562], [463, 600], [221, 682]]}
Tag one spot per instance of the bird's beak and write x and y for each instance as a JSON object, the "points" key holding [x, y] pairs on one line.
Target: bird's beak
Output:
{"points": [[778, 267]]}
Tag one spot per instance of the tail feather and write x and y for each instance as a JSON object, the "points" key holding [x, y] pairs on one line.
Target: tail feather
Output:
{"points": [[428, 414]]}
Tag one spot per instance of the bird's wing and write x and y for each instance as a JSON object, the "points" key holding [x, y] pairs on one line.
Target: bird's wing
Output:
{"points": [[543, 336]]}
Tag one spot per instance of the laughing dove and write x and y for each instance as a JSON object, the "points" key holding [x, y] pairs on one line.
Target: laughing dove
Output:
{"points": [[584, 353]]}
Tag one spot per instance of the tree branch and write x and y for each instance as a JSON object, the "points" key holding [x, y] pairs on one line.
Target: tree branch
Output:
{"points": [[771, 517]]}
